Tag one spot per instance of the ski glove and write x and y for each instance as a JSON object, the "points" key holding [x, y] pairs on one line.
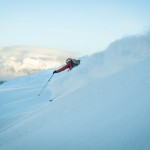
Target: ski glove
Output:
{"points": [[55, 72]]}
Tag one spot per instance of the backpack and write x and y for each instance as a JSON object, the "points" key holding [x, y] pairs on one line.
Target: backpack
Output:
{"points": [[74, 62]]}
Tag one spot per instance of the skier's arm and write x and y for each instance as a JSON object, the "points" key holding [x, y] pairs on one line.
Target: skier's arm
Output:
{"points": [[63, 68]]}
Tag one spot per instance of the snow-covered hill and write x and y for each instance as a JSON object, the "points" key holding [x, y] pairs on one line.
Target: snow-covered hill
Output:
{"points": [[102, 104]]}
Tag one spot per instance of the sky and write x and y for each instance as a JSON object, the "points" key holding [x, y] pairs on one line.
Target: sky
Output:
{"points": [[82, 26]]}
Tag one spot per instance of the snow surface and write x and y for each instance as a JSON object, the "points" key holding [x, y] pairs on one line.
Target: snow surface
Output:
{"points": [[104, 104]]}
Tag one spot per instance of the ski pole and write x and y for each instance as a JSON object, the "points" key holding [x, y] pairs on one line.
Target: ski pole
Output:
{"points": [[46, 84]]}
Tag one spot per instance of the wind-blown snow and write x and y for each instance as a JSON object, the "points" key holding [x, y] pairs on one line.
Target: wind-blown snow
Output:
{"points": [[102, 104]]}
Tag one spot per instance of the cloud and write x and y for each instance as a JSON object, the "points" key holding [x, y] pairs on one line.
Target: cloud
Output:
{"points": [[22, 60]]}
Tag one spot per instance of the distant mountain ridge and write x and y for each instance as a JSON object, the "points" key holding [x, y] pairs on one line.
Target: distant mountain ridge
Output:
{"points": [[22, 60]]}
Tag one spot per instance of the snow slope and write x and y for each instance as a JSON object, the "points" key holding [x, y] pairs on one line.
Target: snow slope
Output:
{"points": [[103, 105]]}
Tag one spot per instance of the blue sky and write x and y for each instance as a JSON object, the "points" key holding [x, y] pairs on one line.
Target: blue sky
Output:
{"points": [[82, 26]]}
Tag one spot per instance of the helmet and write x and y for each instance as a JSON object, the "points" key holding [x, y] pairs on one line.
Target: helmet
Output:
{"points": [[67, 60]]}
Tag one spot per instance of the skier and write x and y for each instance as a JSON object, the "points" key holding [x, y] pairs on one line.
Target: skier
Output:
{"points": [[70, 64]]}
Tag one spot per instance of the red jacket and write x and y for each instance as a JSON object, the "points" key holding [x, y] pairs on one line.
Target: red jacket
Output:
{"points": [[67, 66]]}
